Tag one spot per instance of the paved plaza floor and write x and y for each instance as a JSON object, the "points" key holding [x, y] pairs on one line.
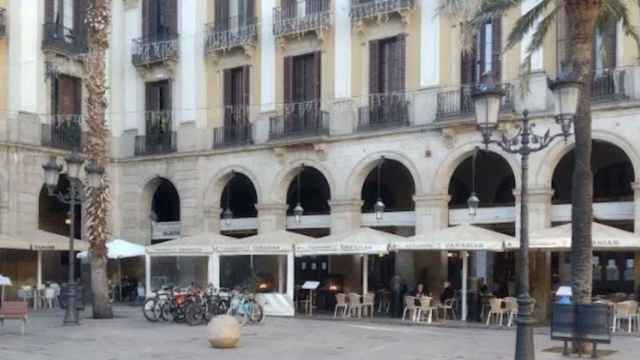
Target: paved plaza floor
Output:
{"points": [[130, 336]]}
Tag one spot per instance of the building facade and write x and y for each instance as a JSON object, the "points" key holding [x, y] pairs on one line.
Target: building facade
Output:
{"points": [[255, 106]]}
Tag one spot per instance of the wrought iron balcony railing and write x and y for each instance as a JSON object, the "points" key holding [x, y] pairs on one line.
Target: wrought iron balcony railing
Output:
{"points": [[384, 111], [63, 132], [63, 40], [230, 136], [159, 138], [3, 22], [608, 85], [301, 17], [155, 49], [231, 32], [364, 9], [300, 119], [457, 102]]}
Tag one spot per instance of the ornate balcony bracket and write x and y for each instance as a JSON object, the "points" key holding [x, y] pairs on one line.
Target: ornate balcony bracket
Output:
{"points": [[248, 50], [319, 33], [153, 72], [380, 12], [56, 64], [449, 137]]}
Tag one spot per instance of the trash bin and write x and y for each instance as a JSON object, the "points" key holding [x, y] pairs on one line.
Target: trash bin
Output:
{"points": [[62, 299]]}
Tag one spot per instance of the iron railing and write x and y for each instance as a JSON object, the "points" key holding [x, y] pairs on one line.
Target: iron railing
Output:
{"points": [[56, 37], [299, 120], [160, 137], [301, 16], [231, 32], [229, 136], [363, 9], [608, 85], [63, 132], [3, 22], [155, 49], [458, 102], [384, 111]]}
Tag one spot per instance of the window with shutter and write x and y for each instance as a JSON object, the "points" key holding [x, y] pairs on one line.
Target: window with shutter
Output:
{"points": [[66, 95], [485, 59], [604, 48]]}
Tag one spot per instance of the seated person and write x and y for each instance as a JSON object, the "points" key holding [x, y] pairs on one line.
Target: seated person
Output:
{"points": [[447, 292]]}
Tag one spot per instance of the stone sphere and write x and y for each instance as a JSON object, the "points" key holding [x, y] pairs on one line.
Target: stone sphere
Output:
{"points": [[223, 332]]}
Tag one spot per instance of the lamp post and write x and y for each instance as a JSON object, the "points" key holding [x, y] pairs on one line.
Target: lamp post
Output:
{"points": [[487, 99], [74, 197], [379, 206], [298, 210], [227, 214], [473, 202]]}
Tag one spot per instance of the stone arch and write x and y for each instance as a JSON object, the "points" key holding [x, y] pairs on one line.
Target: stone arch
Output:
{"points": [[148, 189], [552, 157], [283, 179], [356, 179], [213, 192], [456, 157]]}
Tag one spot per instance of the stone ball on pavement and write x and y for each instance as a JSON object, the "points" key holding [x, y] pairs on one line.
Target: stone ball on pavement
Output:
{"points": [[223, 332]]}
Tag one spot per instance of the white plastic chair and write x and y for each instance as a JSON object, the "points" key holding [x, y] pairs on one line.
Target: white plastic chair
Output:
{"points": [[425, 309], [368, 303], [496, 310], [341, 304], [625, 311], [410, 308], [49, 297], [511, 307], [355, 305]]}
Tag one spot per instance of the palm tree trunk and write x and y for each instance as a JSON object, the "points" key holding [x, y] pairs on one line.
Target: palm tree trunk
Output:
{"points": [[98, 22], [582, 25]]}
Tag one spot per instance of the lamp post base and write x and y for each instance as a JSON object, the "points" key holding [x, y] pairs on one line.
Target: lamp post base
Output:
{"points": [[524, 336], [71, 316]]}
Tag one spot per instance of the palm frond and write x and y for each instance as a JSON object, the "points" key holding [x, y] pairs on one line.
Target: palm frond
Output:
{"points": [[612, 11], [526, 23]]}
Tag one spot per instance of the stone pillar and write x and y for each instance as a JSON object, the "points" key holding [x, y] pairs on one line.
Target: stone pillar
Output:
{"points": [[539, 261], [271, 217], [346, 214], [432, 213], [405, 265], [211, 223]]}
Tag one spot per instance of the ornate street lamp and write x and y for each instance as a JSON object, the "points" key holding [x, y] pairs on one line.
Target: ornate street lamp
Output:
{"points": [[76, 196], [379, 206], [487, 106], [298, 211], [473, 202]]}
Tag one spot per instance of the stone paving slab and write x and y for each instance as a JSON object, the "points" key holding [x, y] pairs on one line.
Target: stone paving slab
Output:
{"points": [[131, 337]]}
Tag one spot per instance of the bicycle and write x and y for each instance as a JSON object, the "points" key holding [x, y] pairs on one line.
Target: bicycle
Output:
{"points": [[205, 306], [152, 306], [244, 308]]}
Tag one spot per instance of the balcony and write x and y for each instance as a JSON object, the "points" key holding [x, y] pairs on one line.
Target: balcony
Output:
{"points": [[384, 111], [159, 139], [155, 49], [457, 102], [3, 22], [609, 85], [378, 9], [302, 17], [233, 32], [238, 134], [299, 120], [63, 132], [63, 40]]}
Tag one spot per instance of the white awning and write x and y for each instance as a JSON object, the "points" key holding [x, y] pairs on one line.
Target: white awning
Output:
{"points": [[5, 281], [273, 243], [39, 240], [199, 245], [461, 237], [8, 242], [119, 249], [604, 238], [355, 242]]}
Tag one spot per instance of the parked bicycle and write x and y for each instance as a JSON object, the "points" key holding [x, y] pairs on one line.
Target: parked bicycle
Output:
{"points": [[152, 306], [207, 305], [244, 308]]}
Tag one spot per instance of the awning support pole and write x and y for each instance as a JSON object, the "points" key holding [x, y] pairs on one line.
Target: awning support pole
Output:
{"points": [[147, 274], [282, 267], [38, 279], [465, 271], [290, 275], [365, 274], [214, 270]]}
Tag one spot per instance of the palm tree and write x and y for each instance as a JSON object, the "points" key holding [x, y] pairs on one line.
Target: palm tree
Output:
{"points": [[98, 22], [587, 17]]}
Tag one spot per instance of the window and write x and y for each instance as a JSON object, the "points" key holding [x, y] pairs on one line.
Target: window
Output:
{"points": [[160, 18], [236, 96], [485, 57], [158, 106], [234, 14], [387, 65], [66, 96], [604, 48], [302, 77]]}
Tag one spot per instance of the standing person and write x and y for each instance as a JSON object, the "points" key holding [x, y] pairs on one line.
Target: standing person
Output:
{"points": [[447, 292]]}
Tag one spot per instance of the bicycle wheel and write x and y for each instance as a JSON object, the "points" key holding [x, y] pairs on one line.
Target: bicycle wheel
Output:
{"points": [[241, 318], [151, 310], [256, 312], [223, 307], [194, 314], [166, 313]]}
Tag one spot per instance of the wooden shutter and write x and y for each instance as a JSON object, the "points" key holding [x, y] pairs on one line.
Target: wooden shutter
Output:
{"points": [[288, 79], [77, 94], [374, 67], [49, 11], [79, 17], [468, 65], [227, 88], [172, 16], [481, 53], [609, 40], [251, 11], [151, 99], [222, 14], [67, 100], [399, 66], [148, 18], [289, 8], [246, 90], [317, 75], [496, 48]]}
